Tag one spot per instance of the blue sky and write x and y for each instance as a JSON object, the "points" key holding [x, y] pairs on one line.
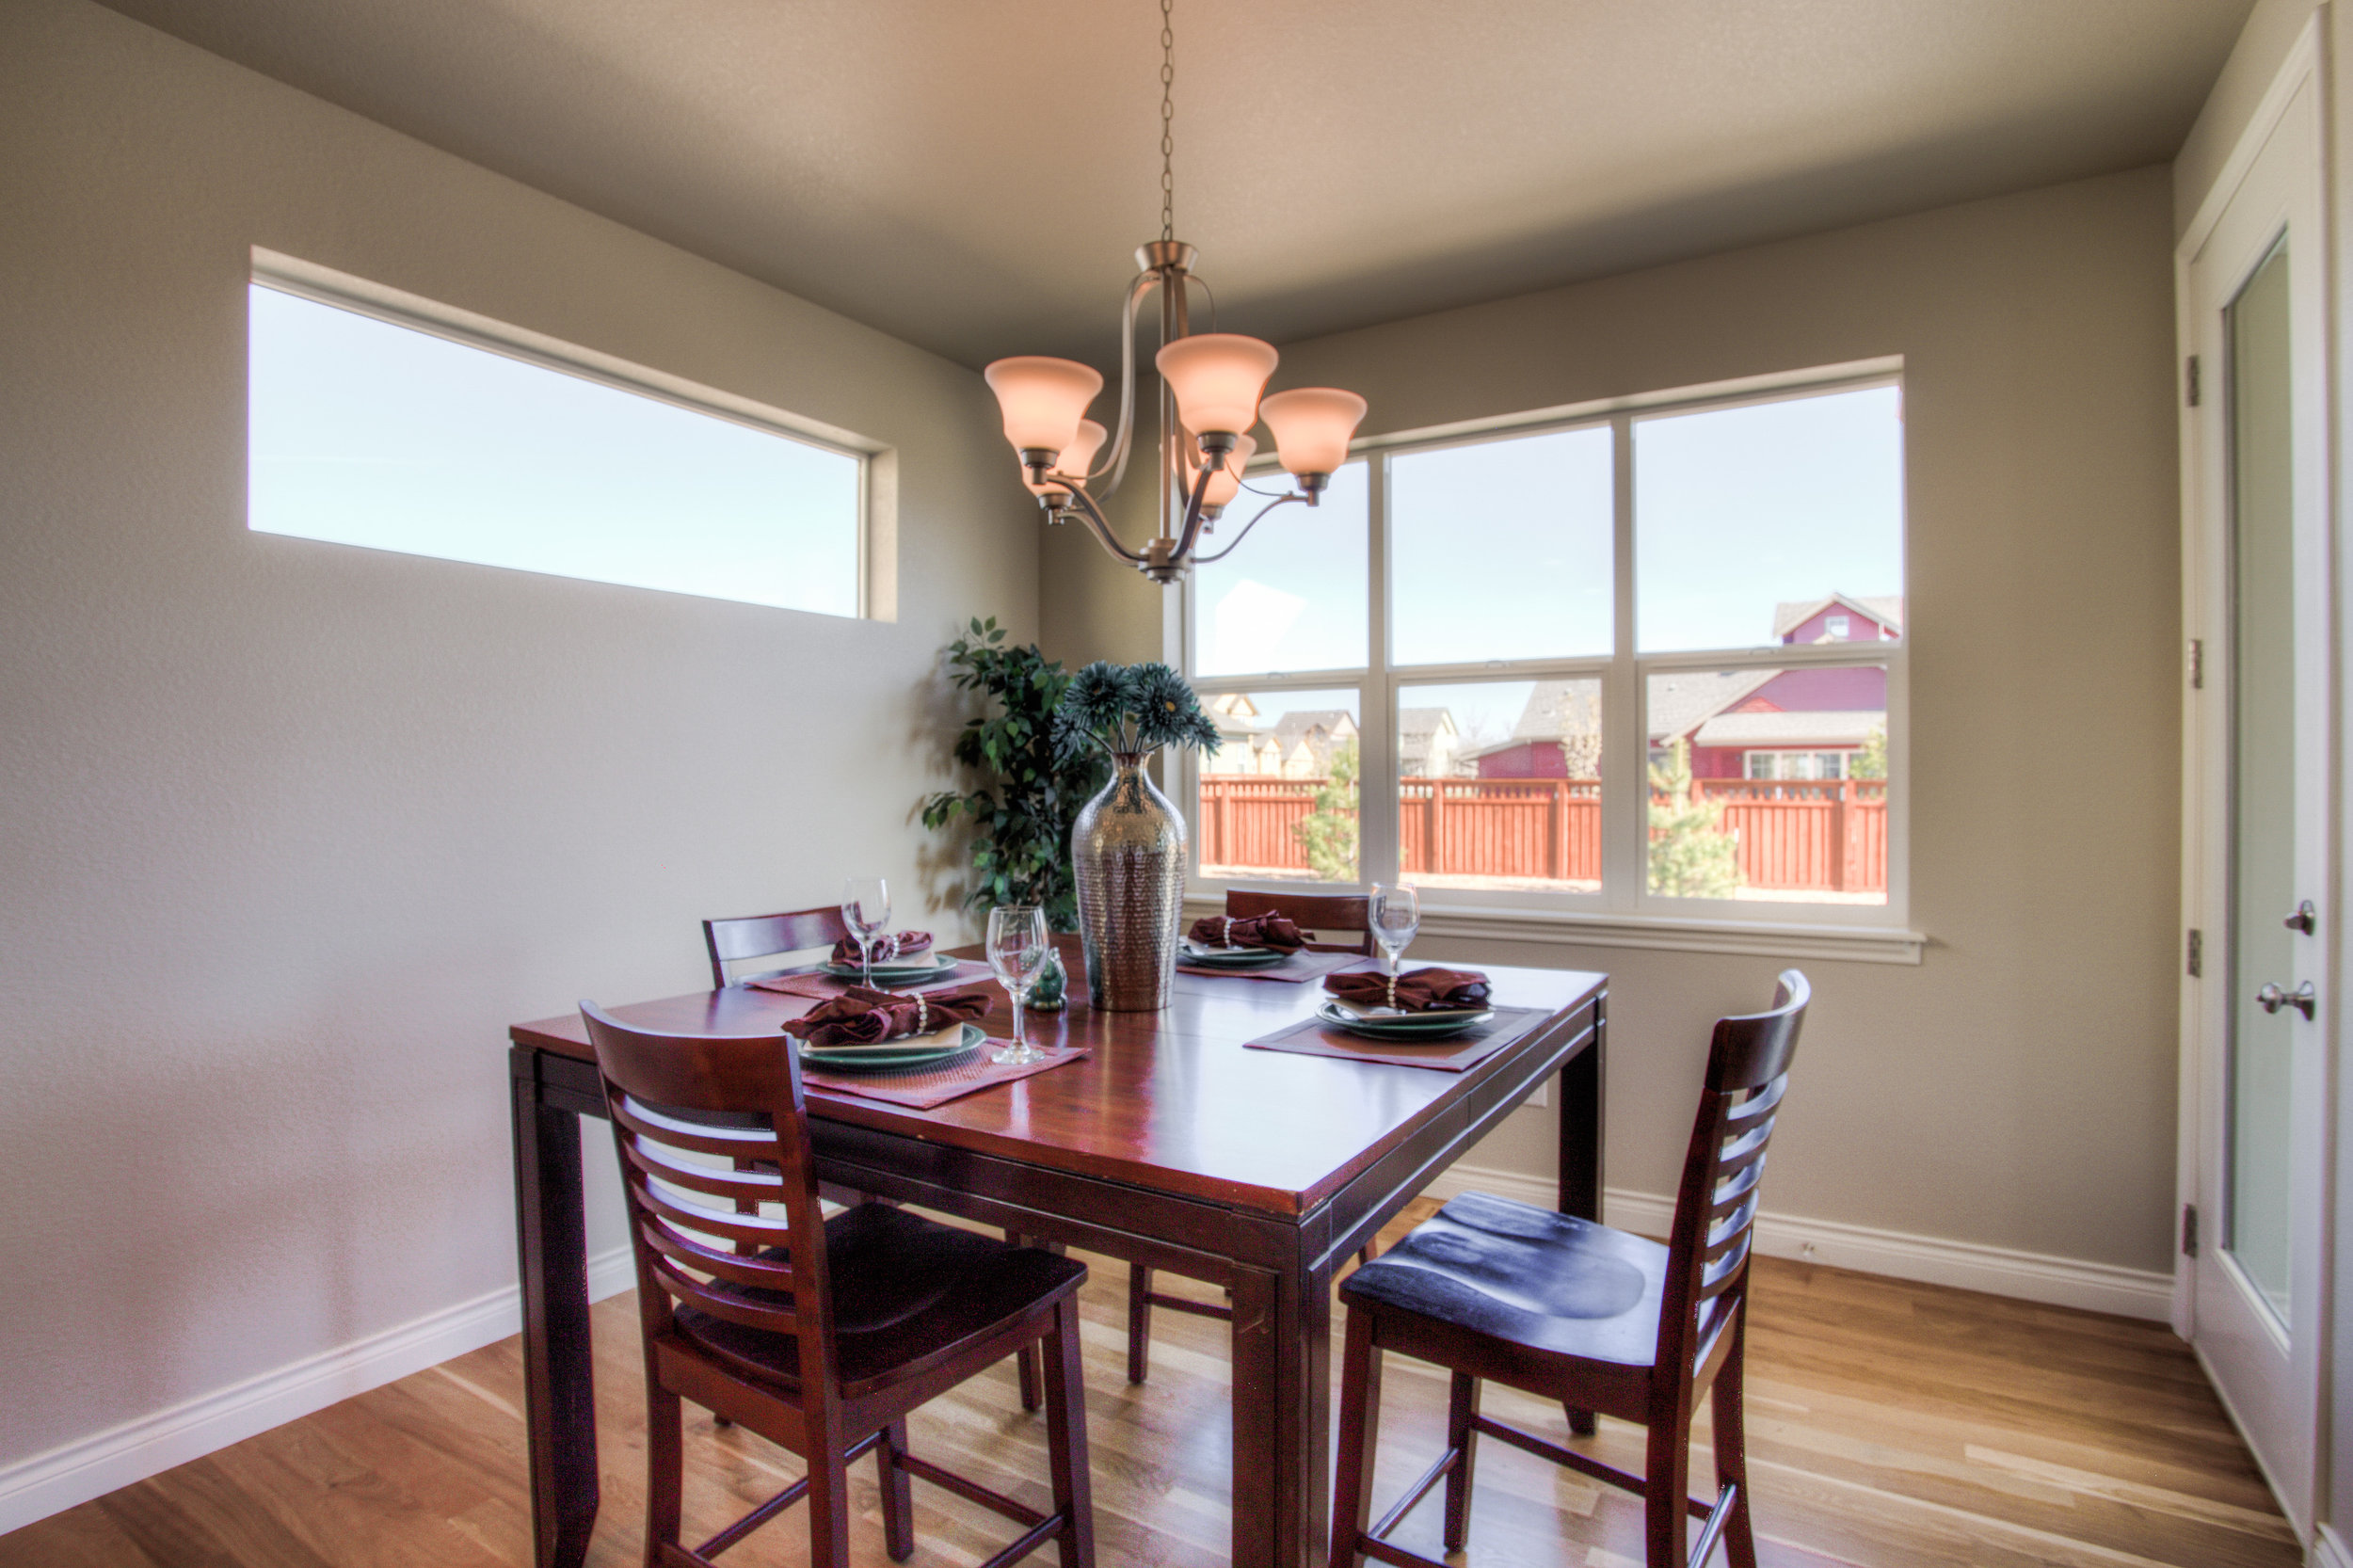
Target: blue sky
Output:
{"points": [[371, 434], [1501, 550]]}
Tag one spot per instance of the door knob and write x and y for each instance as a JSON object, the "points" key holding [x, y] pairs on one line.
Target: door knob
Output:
{"points": [[2271, 999], [2305, 919]]}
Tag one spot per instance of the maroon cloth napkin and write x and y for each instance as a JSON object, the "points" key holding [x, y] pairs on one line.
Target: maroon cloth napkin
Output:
{"points": [[862, 1018], [1418, 990], [896, 944], [1272, 930]]}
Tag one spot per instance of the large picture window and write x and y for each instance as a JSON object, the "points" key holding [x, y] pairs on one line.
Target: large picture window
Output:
{"points": [[1648, 661], [403, 435]]}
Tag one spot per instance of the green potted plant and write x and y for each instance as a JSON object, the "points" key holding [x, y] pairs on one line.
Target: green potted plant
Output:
{"points": [[1030, 787], [1127, 843]]}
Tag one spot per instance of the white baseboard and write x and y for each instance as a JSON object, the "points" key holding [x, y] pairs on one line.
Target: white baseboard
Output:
{"points": [[92, 1466], [2330, 1550], [1966, 1265]]}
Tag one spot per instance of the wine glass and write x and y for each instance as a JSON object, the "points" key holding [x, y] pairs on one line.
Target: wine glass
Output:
{"points": [[1017, 946], [1395, 916], [866, 910]]}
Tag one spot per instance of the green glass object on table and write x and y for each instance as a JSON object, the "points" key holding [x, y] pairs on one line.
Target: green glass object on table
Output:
{"points": [[1051, 988]]}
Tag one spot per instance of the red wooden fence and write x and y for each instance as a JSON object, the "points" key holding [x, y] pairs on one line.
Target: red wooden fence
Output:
{"points": [[1826, 835]]}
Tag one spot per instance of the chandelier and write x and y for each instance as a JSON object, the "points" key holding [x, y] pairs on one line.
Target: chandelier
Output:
{"points": [[1211, 387]]}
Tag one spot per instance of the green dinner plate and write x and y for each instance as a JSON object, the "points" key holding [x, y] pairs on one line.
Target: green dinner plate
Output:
{"points": [[1233, 958], [1405, 1025], [927, 967], [891, 1056]]}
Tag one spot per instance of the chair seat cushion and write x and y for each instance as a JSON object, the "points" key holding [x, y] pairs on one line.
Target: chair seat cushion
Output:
{"points": [[1527, 1276], [907, 1292]]}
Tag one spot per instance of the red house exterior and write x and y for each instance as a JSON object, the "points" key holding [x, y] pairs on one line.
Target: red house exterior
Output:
{"points": [[1805, 723]]}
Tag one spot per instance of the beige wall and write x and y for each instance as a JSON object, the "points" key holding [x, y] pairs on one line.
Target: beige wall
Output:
{"points": [[290, 832], [2016, 1089], [2263, 47]]}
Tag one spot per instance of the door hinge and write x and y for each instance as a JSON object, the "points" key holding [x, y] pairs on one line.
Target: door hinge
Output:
{"points": [[2190, 381], [2197, 964], [2198, 664], [2190, 1230]]}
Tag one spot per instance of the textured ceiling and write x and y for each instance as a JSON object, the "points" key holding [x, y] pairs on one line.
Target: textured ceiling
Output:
{"points": [[975, 176]]}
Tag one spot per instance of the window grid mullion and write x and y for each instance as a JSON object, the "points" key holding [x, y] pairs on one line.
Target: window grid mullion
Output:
{"points": [[1376, 761], [1624, 755]]}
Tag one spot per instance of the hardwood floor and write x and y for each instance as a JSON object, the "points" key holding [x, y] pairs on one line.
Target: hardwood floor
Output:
{"points": [[1890, 1424]]}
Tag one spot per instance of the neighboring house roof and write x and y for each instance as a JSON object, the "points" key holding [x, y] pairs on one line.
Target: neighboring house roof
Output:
{"points": [[1887, 609], [1681, 701], [1556, 710], [1420, 723], [1819, 727], [1335, 722]]}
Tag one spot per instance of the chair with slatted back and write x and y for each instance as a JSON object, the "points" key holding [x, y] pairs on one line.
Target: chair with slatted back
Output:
{"points": [[1331, 913], [743, 937], [746, 938], [1324, 912], [1594, 1317], [825, 1339]]}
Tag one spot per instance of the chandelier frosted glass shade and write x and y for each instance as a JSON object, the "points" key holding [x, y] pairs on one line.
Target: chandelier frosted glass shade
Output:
{"points": [[1217, 377], [1043, 399], [1312, 426], [1075, 458]]}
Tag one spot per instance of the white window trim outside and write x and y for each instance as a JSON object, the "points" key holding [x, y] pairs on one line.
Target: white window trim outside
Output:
{"points": [[1624, 913], [877, 503]]}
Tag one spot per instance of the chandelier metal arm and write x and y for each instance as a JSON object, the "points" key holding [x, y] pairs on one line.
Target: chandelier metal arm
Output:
{"points": [[1279, 501], [1076, 500], [1195, 501], [1115, 463]]}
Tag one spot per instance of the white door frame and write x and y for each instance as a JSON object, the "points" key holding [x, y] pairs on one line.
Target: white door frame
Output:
{"points": [[2283, 1422]]}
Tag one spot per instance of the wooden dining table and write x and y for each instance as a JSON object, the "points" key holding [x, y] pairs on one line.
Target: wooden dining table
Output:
{"points": [[1169, 1146]]}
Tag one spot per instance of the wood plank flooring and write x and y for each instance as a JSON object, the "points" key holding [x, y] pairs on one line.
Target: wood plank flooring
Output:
{"points": [[1892, 1424]]}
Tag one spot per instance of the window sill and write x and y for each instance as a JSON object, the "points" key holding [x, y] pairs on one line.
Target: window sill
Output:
{"points": [[1851, 944]]}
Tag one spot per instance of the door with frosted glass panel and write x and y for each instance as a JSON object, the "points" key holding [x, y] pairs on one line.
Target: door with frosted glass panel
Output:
{"points": [[2258, 735]]}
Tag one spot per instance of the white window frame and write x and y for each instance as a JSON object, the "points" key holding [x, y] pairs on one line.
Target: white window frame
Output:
{"points": [[1624, 913], [877, 487]]}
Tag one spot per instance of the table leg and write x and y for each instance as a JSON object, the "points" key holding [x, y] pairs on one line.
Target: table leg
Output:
{"points": [[1581, 1132], [1282, 1355], [1582, 1123], [559, 1398]]}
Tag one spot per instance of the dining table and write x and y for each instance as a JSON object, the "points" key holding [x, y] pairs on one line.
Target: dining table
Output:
{"points": [[1170, 1144]]}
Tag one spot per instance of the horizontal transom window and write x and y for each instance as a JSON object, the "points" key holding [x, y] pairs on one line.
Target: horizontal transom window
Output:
{"points": [[369, 431]]}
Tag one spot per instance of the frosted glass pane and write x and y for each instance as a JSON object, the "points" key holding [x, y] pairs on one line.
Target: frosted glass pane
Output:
{"points": [[1293, 597], [1770, 522], [367, 433], [1501, 550]]}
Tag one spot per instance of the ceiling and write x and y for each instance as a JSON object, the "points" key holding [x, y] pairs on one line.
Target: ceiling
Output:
{"points": [[974, 175]]}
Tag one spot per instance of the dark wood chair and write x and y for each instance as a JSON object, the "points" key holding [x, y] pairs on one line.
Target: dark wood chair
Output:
{"points": [[1330, 913], [744, 938], [824, 1341], [1594, 1318]]}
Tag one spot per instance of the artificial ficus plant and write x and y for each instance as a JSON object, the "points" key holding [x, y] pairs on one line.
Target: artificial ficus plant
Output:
{"points": [[1020, 814]]}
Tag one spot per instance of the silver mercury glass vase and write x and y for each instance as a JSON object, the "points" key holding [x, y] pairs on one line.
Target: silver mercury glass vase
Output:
{"points": [[1127, 848]]}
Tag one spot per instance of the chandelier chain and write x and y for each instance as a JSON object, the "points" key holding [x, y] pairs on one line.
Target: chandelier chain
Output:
{"points": [[1168, 118]]}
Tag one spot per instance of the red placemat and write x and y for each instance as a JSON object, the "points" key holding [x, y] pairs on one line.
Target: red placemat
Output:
{"points": [[1314, 1037], [819, 987], [930, 1086], [1298, 966]]}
